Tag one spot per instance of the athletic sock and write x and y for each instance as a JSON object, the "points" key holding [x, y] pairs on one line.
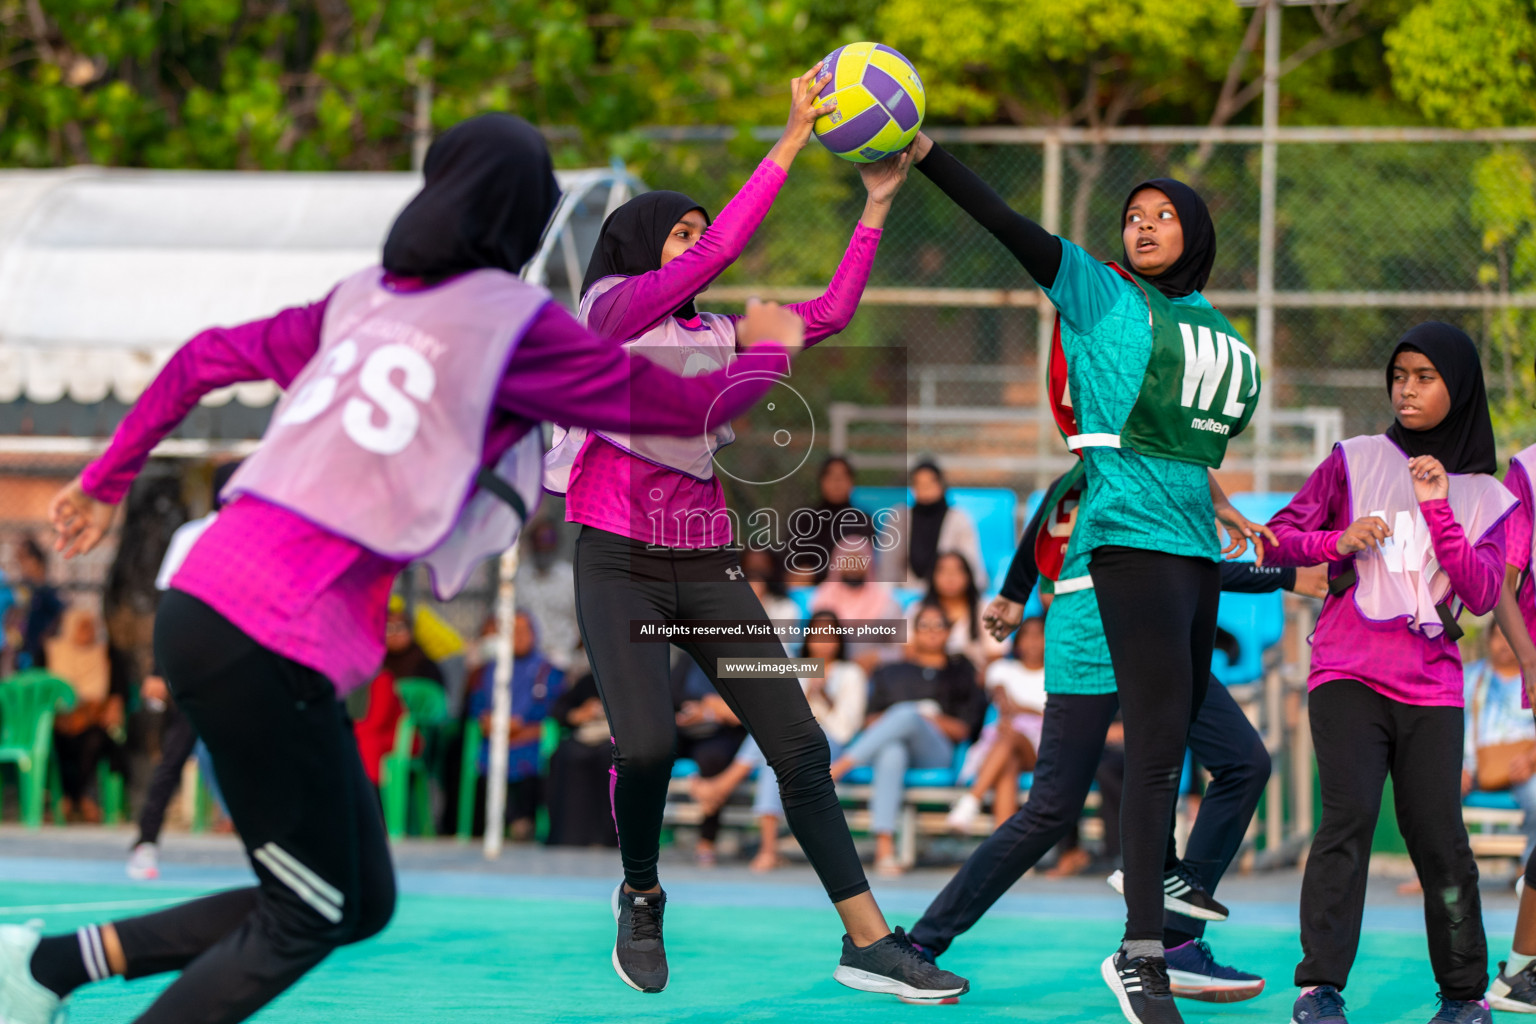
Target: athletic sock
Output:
{"points": [[1517, 962], [1134, 948], [65, 962]]}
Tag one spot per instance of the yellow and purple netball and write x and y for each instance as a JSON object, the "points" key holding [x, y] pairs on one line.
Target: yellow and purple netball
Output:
{"points": [[880, 102]]}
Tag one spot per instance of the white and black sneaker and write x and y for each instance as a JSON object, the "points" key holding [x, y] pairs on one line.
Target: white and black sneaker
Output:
{"points": [[1514, 992], [1182, 894], [22, 999], [638, 954], [1141, 986], [894, 967]]}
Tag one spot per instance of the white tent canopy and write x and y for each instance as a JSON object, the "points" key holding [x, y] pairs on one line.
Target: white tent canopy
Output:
{"points": [[104, 273]]}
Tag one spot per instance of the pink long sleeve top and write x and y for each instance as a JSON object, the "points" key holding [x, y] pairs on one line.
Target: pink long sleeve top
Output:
{"points": [[318, 598], [1401, 664], [604, 477]]}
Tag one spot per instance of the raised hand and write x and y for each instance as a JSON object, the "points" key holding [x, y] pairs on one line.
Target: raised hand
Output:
{"points": [[884, 178], [1430, 482], [768, 321], [805, 105]]}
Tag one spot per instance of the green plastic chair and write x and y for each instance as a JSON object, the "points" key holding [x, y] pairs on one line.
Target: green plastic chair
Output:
{"points": [[469, 775], [28, 702], [405, 777]]}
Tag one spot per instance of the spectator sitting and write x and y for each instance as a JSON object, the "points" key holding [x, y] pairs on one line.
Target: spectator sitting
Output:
{"points": [[1008, 746], [919, 708], [580, 813], [953, 588], [85, 735], [38, 608], [709, 733], [837, 699], [1500, 746], [852, 597], [933, 526], [766, 575], [535, 682], [837, 522], [376, 713], [546, 583]]}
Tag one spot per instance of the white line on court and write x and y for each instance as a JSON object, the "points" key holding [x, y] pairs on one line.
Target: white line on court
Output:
{"points": [[66, 908]]}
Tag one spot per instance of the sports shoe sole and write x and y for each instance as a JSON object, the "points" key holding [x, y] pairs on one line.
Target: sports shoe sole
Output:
{"points": [[1509, 1005], [1112, 979], [1213, 990], [616, 968], [865, 981], [1117, 882]]}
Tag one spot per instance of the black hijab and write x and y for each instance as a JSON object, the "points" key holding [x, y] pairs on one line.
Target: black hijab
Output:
{"points": [[1463, 441], [633, 236], [1193, 267], [927, 522], [489, 191]]}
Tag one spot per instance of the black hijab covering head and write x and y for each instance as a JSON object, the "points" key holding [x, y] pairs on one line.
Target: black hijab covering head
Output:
{"points": [[1193, 267], [633, 236], [1463, 441], [489, 191]]}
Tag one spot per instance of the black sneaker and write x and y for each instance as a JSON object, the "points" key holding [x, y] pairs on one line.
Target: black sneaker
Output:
{"points": [[1514, 992], [894, 967], [1141, 986], [638, 954], [1462, 1011], [1182, 894], [1323, 1005]]}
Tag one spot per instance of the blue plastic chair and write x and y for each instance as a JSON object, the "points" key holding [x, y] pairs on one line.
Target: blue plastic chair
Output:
{"points": [[1257, 621], [684, 768], [1502, 801]]}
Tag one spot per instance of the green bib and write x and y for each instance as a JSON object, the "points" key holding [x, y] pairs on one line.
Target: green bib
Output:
{"points": [[1199, 392]]}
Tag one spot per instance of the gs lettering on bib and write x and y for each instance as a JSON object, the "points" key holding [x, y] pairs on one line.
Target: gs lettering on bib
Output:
{"points": [[1200, 389], [1402, 579], [687, 353], [379, 438]]}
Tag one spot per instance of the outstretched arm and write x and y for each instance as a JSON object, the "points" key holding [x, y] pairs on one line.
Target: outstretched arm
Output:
{"points": [[272, 349], [639, 303], [830, 312]]}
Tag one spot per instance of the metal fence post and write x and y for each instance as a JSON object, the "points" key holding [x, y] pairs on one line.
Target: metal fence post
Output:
{"points": [[1264, 429], [1050, 219]]}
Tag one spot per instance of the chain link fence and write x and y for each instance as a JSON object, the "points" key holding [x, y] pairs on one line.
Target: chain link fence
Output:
{"points": [[1376, 229]]}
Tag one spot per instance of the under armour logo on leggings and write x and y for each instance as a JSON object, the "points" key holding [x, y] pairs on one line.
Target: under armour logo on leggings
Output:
{"points": [[325, 898], [735, 573]]}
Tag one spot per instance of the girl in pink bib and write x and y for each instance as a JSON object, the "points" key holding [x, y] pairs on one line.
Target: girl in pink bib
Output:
{"points": [[1412, 525]]}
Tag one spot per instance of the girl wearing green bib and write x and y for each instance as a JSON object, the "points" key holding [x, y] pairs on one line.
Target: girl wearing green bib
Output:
{"points": [[1149, 383]]}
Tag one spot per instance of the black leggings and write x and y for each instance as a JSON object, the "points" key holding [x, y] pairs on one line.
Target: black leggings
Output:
{"points": [[618, 581], [1159, 613], [290, 773], [177, 741], [1070, 746], [1360, 736]]}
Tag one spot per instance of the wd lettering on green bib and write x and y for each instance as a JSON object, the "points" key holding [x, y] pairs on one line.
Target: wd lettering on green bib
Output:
{"points": [[1198, 391]]}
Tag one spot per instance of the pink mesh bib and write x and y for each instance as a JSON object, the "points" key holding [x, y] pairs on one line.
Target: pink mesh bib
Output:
{"points": [[1403, 579], [380, 437]]}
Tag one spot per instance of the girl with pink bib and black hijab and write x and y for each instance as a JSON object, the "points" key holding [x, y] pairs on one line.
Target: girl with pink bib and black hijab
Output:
{"points": [[1412, 526], [409, 430], [655, 546]]}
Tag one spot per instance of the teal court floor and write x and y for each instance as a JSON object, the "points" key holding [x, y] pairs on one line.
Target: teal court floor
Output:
{"points": [[529, 938]]}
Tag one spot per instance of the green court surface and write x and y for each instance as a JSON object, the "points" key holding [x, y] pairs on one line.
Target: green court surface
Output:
{"points": [[470, 959]]}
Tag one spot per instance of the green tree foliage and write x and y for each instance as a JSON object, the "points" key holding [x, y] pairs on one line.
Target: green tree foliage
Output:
{"points": [[1469, 64]]}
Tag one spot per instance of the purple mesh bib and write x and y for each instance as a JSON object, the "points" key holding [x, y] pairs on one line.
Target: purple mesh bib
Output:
{"points": [[687, 353], [379, 438], [1403, 579]]}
